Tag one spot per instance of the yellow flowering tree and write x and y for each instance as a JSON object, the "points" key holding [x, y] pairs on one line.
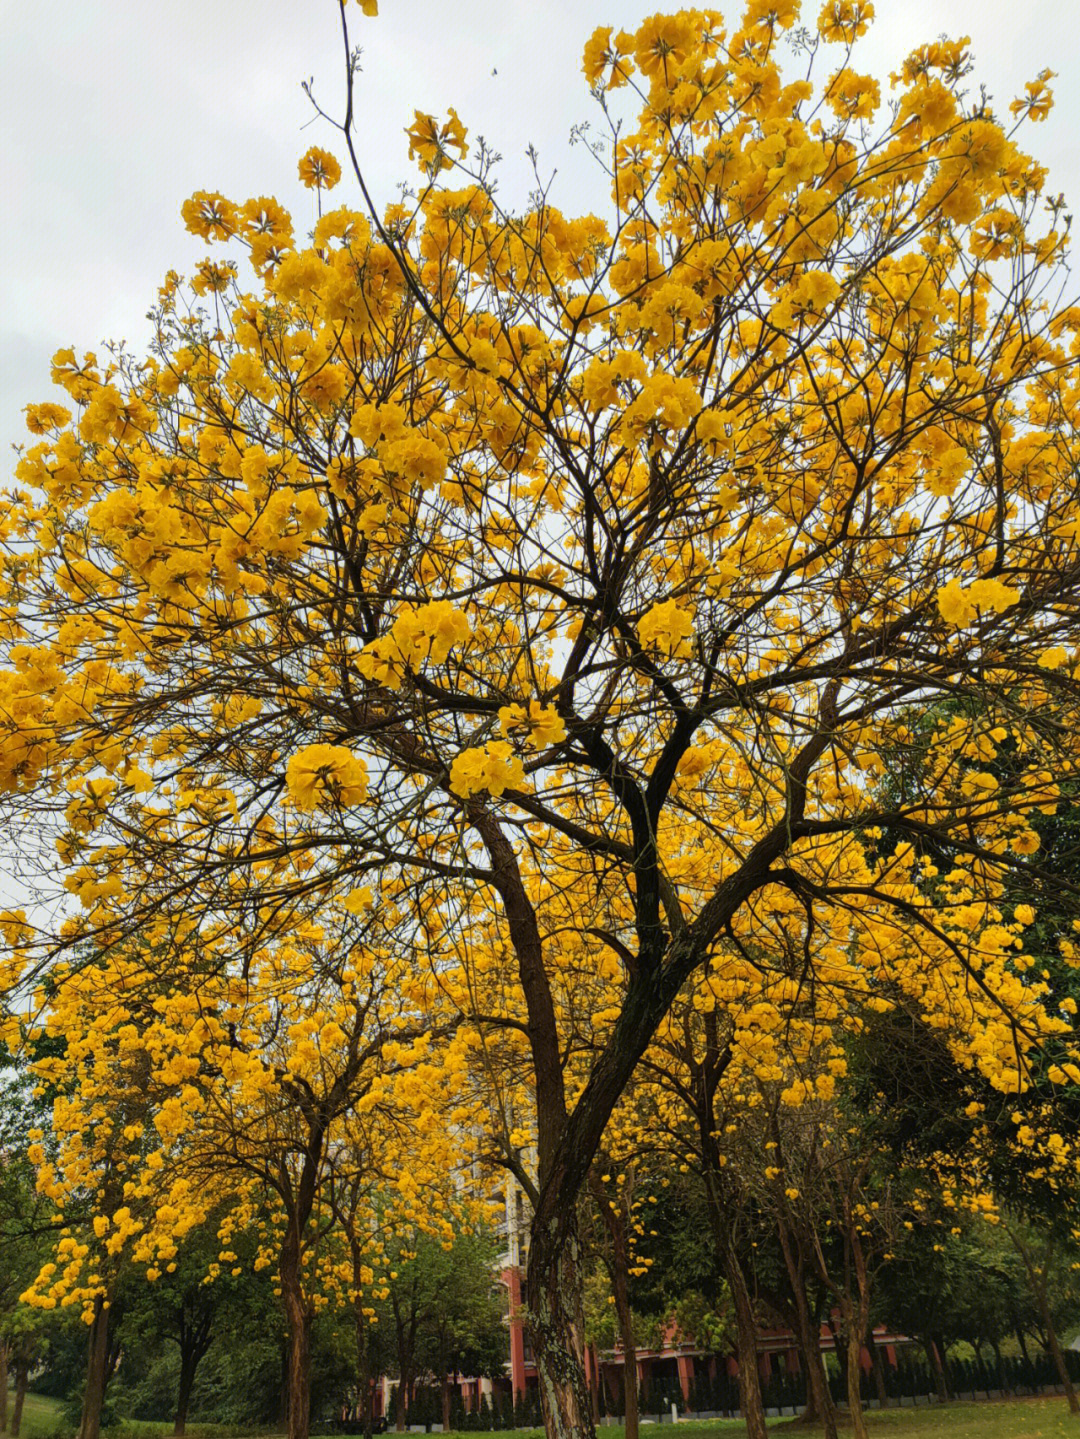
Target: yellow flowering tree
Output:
{"points": [[535, 571]]}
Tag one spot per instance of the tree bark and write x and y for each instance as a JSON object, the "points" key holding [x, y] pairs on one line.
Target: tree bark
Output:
{"points": [[3, 1386], [399, 1405], [620, 1283], [856, 1310], [97, 1372], [594, 1388], [878, 1369], [188, 1364], [808, 1337], [298, 1325], [749, 1378], [363, 1368], [1039, 1279], [937, 1369], [854, 1372], [22, 1383], [556, 1326]]}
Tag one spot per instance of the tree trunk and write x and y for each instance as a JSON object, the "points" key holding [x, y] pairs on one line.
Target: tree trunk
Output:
{"points": [[22, 1383], [879, 1371], [999, 1375], [854, 1372], [399, 1405], [363, 1368], [446, 1404], [188, 1365], [298, 1325], [1058, 1357], [1039, 1276], [620, 1283], [594, 1388], [808, 1337], [3, 1386], [937, 1369], [97, 1373], [556, 1325], [946, 1374], [749, 1379]]}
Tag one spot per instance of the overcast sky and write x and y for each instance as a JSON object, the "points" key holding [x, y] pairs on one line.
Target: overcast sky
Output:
{"points": [[113, 111]]}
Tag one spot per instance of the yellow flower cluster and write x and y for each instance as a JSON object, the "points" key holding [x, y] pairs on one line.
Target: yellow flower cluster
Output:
{"points": [[667, 627], [326, 776], [492, 769]]}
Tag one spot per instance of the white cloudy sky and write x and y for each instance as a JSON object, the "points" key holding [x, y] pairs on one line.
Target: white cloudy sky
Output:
{"points": [[113, 111]]}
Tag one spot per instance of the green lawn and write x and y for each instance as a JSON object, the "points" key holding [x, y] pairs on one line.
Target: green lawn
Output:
{"points": [[1007, 1419]]}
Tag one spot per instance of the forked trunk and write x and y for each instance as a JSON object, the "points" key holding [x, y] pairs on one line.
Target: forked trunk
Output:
{"points": [[556, 1328], [97, 1373]]}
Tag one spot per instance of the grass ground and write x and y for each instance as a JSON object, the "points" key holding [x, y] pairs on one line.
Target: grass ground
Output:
{"points": [[1005, 1419]]}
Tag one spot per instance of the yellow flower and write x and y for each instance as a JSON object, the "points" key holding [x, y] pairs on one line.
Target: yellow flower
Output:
{"points": [[430, 144], [959, 606], [666, 627], [542, 725], [326, 774], [210, 215], [494, 768], [844, 20], [852, 96], [318, 169]]}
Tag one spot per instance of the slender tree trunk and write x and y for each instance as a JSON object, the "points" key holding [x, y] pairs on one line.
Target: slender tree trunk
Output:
{"points": [[857, 1314], [188, 1366], [363, 1368], [750, 1401], [1039, 1277], [620, 1283], [594, 1388], [446, 1404], [22, 1383], [854, 1371], [878, 1369], [556, 1325], [946, 1373], [97, 1373], [995, 1345], [399, 1405], [937, 1369], [808, 1335], [1054, 1348], [298, 1325], [3, 1386]]}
